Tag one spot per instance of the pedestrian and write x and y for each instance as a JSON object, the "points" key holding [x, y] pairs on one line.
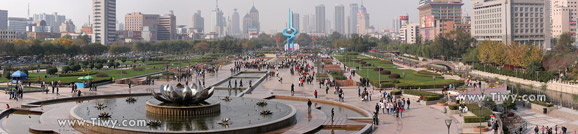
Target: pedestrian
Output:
{"points": [[309, 104], [536, 129], [79, 93], [382, 106], [326, 90], [400, 112], [358, 91], [332, 114], [315, 93], [292, 88], [376, 107], [129, 84], [408, 102], [564, 129]]}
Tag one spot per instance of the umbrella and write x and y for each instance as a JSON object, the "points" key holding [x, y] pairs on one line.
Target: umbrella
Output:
{"points": [[19, 74], [86, 78]]}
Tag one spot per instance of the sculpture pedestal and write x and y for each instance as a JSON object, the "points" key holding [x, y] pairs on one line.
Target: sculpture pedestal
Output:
{"points": [[158, 109]]}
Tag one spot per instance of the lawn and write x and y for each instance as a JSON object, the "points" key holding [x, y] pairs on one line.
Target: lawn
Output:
{"points": [[411, 80]]}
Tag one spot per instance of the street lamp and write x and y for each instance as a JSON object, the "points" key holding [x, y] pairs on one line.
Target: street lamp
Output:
{"points": [[480, 105], [448, 123], [379, 79], [434, 78]]}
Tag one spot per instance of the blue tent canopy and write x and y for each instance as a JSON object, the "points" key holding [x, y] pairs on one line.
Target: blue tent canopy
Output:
{"points": [[19, 74]]}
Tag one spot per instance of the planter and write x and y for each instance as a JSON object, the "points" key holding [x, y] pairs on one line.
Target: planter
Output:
{"points": [[540, 109], [442, 104], [452, 112], [481, 130]]}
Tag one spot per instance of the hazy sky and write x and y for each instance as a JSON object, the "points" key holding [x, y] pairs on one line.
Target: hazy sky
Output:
{"points": [[273, 13]]}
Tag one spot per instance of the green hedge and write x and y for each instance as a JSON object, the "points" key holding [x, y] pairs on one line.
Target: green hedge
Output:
{"points": [[427, 96], [427, 85], [424, 73], [397, 92], [473, 119], [543, 103], [454, 106], [485, 113], [338, 76], [77, 74], [432, 98]]}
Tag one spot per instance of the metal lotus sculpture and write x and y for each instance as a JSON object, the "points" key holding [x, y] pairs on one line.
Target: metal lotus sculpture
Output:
{"points": [[183, 94]]}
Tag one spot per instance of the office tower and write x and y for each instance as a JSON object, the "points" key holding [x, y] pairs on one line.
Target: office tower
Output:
{"points": [[167, 29], [340, 18], [236, 24], [17, 24], [53, 20], [217, 21], [320, 18], [353, 18], [104, 18], [563, 13], [67, 27], [3, 19], [431, 14], [296, 21], [363, 21], [306, 24], [198, 22], [136, 21], [251, 24], [521, 21]]}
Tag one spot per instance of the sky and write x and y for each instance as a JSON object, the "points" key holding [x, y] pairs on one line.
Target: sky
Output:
{"points": [[273, 13]]}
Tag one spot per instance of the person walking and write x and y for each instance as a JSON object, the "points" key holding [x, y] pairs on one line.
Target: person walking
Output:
{"points": [[376, 107], [309, 104], [382, 106], [292, 88], [400, 112], [326, 90], [536, 129], [315, 93], [229, 83], [408, 102], [332, 114]]}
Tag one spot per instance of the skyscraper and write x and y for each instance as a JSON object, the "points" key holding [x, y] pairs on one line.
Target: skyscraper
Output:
{"points": [[320, 18], [104, 19], [67, 27], [167, 29], [236, 25], [53, 20], [3, 19], [340, 19], [564, 17], [136, 21], [306, 24], [251, 22], [198, 22], [296, 21], [431, 14], [363, 21], [217, 21], [353, 18], [17, 24]]}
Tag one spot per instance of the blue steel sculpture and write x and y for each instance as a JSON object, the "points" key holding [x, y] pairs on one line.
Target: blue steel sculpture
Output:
{"points": [[290, 36]]}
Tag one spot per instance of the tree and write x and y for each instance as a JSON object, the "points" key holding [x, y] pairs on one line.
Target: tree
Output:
{"points": [[65, 69], [98, 66], [564, 43], [52, 71], [202, 46], [509, 104]]}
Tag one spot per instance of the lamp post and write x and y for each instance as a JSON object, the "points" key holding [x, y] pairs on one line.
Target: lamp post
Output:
{"points": [[480, 105], [448, 123], [434, 78], [379, 79], [537, 76]]}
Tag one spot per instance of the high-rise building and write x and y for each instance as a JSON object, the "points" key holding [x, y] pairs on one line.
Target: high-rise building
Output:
{"points": [[167, 29], [136, 21], [39, 26], [236, 24], [17, 24], [508, 21], [409, 32], [563, 17], [340, 18], [353, 18], [313, 23], [3, 19], [104, 19], [433, 11], [251, 24], [67, 27], [363, 21], [306, 24], [296, 21], [120, 26], [404, 19], [217, 21], [53, 20], [198, 22], [320, 19]]}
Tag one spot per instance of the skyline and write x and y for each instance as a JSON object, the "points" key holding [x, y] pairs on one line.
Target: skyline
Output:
{"points": [[271, 12]]}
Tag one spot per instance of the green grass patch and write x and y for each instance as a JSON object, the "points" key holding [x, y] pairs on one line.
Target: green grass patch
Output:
{"points": [[427, 96], [484, 113]]}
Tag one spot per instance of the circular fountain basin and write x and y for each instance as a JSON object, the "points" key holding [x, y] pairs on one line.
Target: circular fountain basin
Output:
{"points": [[245, 117], [159, 108]]}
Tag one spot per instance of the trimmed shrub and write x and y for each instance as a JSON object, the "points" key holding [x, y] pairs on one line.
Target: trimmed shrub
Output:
{"points": [[385, 72], [377, 69], [394, 76], [396, 92], [473, 119], [338, 76], [432, 98], [51, 71], [77, 74], [454, 106], [542, 103], [101, 75], [424, 73]]}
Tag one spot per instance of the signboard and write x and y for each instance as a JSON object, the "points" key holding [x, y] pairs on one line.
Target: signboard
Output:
{"points": [[429, 20]]}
